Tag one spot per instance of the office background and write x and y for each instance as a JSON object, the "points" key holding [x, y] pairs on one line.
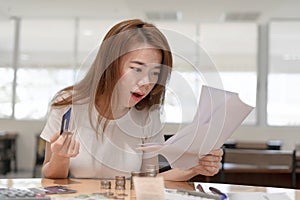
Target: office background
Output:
{"points": [[253, 45]]}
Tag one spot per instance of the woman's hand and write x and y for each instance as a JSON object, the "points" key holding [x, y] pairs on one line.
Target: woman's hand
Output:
{"points": [[210, 164], [64, 145]]}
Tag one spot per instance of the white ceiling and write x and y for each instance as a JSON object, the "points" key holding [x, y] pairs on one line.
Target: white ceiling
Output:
{"points": [[191, 10]]}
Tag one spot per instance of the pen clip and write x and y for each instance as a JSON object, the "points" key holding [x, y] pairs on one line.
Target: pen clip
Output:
{"points": [[217, 191]]}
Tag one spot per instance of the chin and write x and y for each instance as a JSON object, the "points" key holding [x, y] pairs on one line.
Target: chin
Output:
{"points": [[132, 104]]}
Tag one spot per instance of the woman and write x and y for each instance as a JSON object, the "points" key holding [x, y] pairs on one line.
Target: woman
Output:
{"points": [[116, 107]]}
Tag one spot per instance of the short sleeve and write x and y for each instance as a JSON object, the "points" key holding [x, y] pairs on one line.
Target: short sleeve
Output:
{"points": [[53, 123]]}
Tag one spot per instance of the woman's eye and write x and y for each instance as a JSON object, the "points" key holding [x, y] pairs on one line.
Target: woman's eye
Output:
{"points": [[156, 73], [136, 69]]}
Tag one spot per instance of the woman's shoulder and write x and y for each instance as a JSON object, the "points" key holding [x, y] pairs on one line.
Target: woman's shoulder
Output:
{"points": [[58, 111], [61, 95]]}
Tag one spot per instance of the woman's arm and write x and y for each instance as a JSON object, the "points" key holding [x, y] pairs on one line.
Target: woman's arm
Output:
{"points": [[176, 174], [57, 155], [208, 165]]}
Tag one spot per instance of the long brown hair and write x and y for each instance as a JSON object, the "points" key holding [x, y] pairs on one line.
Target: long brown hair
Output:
{"points": [[106, 71]]}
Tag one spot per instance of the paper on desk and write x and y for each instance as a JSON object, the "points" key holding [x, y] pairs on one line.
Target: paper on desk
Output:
{"points": [[258, 196], [219, 113]]}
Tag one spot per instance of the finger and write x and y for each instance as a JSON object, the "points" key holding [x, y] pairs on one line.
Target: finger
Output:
{"points": [[212, 170], [210, 161], [210, 164], [216, 152], [71, 145], [211, 158], [54, 137], [206, 171], [76, 149], [62, 139], [66, 144], [58, 144]]}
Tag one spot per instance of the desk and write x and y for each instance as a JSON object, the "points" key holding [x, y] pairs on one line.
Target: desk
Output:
{"points": [[252, 162], [267, 145], [89, 186]]}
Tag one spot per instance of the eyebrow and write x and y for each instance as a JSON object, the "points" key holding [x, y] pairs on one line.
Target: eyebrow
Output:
{"points": [[143, 64]]}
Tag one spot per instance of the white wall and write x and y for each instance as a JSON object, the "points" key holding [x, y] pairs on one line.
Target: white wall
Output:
{"points": [[28, 129], [289, 136]]}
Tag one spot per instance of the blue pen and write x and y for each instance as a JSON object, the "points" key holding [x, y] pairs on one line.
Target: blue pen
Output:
{"points": [[216, 191]]}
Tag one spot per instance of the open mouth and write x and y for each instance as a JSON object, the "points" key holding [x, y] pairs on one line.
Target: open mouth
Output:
{"points": [[137, 96]]}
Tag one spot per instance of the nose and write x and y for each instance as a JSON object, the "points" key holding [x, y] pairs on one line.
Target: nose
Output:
{"points": [[145, 83], [145, 80]]}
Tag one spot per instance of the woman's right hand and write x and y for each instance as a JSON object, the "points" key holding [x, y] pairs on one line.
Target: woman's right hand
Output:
{"points": [[64, 145]]}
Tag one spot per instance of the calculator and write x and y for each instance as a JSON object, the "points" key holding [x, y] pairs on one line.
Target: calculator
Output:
{"points": [[21, 194]]}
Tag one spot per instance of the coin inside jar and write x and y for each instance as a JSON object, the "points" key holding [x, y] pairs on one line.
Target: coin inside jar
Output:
{"points": [[105, 184], [120, 182], [151, 170]]}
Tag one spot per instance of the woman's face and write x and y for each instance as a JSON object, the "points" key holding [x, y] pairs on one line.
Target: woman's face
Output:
{"points": [[140, 72]]}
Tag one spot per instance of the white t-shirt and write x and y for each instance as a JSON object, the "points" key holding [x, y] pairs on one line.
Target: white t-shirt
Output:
{"points": [[112, 153]]}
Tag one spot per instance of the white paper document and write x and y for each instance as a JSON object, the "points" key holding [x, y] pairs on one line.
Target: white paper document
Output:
{"points": [[258, 196], [218, 115]]}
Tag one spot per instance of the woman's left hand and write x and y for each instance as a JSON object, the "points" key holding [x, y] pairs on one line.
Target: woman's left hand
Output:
{"points": [[210, 164]]}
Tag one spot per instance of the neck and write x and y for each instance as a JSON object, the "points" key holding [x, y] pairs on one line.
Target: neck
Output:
{"points": [[110, 112], [119, 112]]}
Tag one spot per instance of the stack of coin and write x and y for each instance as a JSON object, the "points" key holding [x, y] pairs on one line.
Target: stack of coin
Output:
{"points": [[120, 182], [151, 170], [105, 184]]}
